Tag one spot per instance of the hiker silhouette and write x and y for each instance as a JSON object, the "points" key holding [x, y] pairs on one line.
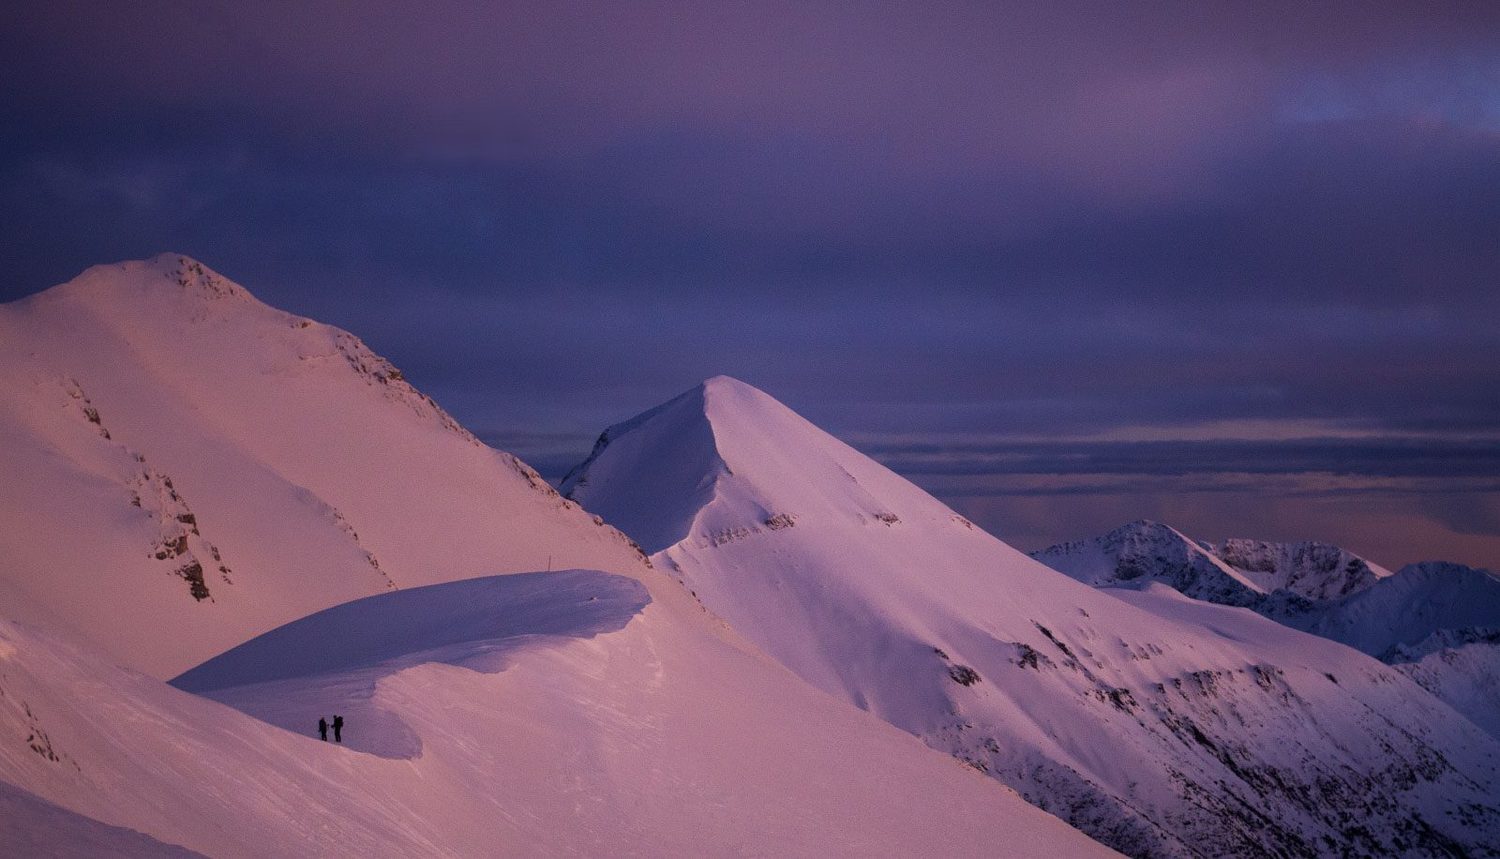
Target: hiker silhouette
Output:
{"points": [[323, 729], [338, 729]]}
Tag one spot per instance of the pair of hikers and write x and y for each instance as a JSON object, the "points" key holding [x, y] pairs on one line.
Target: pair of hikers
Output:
{"points": [[338, 729]]}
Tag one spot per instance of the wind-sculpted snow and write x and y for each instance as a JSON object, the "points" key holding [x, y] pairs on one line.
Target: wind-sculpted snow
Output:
{"points": [[688, 467], [1157, 727], [334, 660], [454, 623]]}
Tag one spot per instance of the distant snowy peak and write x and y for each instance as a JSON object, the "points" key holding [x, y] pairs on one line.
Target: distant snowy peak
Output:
{"points": [[1239, 572], [1439, 623], [1421, 605], [1317, 571], [1142, 552], [724, 461]]}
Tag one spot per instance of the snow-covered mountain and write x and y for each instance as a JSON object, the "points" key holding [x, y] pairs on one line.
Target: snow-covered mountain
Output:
{"points": [[1437, 622], [185, 467], [1316, 571], [1158, 724], [1276, 579], [520, 715]]}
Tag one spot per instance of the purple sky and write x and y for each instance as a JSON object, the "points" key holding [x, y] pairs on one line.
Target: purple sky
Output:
{"points": [[1234, 266]]}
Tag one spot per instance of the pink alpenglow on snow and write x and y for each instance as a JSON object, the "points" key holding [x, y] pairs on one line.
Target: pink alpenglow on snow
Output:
{"points": [[1155, 725], [553, 730], [189, 474]]}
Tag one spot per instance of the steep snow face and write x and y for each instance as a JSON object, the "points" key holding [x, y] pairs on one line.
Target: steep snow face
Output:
{"points": [[185, 467], [1162, 728], [683, 476], [546, 714]]}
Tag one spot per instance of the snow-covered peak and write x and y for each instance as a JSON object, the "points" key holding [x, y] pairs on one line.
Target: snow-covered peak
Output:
{"points": [[725, 459], [667, 462], [1107, 708], [185, 467], [1317, 571], [1417, 601], [1238, 572], [164, 277], [1141, 552]]}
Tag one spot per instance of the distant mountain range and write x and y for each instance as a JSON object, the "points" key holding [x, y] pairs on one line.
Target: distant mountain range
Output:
{"points": [[1439, 623]]}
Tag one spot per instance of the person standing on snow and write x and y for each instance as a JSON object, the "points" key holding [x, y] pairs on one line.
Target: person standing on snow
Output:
{"points": [[338, 729], [323, 728]]}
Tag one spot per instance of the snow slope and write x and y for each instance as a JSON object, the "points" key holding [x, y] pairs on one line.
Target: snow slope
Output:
{"points": [[1160, 731], [185, 467], [546, 714], [30, 826], [1433, 621], [1437, 622], [1407, 608]]}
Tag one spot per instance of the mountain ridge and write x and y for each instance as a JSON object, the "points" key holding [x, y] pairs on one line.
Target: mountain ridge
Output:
{"points": [[1433, 621], [1104, 712], [169, 455]]}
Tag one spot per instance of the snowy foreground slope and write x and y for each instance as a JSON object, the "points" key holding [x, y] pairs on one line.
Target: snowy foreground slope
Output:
{"points": [[184, 467], [1438, 623], [1159, 725], [519, 715]]}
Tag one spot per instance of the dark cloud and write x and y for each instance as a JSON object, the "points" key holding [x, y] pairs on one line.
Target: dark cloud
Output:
{"points": [[1378, 457], [1010, 221]]}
